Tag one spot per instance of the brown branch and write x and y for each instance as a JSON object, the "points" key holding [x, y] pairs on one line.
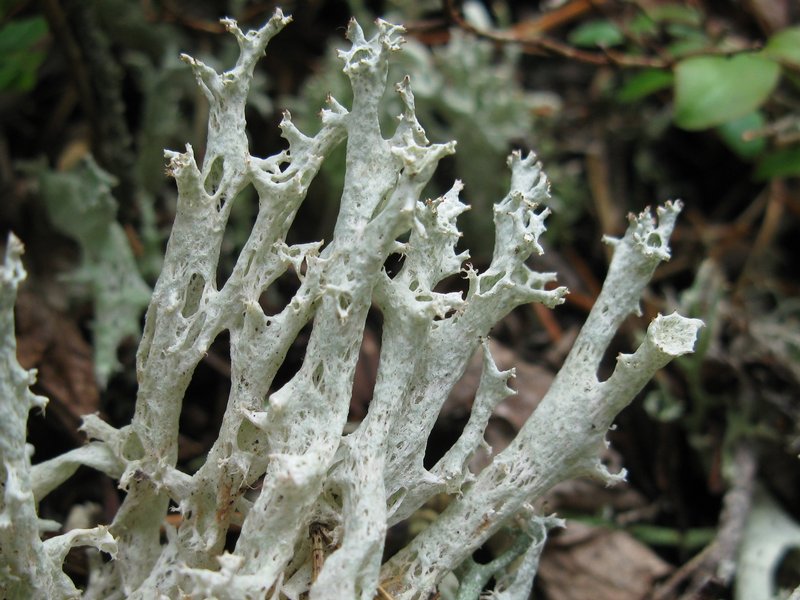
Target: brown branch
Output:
{"points": [[59, 25], [543, 43], [538, 43], [170, 13], [719, 564], [776, 195], [708, 568], [562, 15], [98, 78], [548, 322]]}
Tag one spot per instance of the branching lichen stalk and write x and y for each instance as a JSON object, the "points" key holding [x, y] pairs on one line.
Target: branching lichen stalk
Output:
{"points": [[283, 467]]}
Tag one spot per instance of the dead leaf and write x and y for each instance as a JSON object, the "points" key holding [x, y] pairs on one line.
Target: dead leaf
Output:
{"points": [[51, 343], [583, 562], [591, 497], [531, 382], [771, 15]]}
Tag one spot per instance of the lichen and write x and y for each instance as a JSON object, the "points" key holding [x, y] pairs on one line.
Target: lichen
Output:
{"points": [[291, 442]]}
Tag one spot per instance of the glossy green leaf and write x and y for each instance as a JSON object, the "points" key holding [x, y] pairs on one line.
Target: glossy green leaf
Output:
{"points": [[21, 57], [675, 13], [643, 26], [686, 47], [644, 83], [596, 33], [734, 133], [780, 163], [686, 40], [711, 90], [785, 46]]}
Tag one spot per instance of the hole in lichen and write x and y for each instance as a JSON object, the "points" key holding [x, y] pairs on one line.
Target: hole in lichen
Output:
{"points": [[317, 215], [449, 426], [366, 368], [317, 373], [344, 300], [394, 263], [417, 570], [239, 228], [204, 404], [248, 438], [382, 203], [194, 293], [195, 329], [787, 573], [654, 240], [453, 416], [277, 295], [450, 313], [133, 448], [487, 282], [527, 218], [608, 362], [294, 358], [455, 412], [396, 497], [214, 177], [493, 548]]}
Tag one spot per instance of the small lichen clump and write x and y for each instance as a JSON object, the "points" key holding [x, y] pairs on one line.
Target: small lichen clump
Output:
{"points": [[290, 441]]}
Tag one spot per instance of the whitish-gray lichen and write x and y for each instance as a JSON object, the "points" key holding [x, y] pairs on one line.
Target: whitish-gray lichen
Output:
{"points": [[313, 481]]}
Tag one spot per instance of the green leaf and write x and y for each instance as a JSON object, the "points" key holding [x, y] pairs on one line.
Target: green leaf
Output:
{"points": [[596, 33], [785, 46], [711, 90], [21, 58], [694, 538], [675, 13], [733, 134], [643, 26], [779, 163], [21, 34], [686, 40], [685, 47], [648, 25], [644, 83]]}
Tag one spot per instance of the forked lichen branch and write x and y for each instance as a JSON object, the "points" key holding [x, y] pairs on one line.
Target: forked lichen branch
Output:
{"points": [[325, 499]]}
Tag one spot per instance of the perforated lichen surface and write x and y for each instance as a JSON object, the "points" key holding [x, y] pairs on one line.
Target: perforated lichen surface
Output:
{"points": [[313, 480]]}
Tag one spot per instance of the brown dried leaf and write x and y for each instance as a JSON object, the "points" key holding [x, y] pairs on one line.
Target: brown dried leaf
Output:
{"points": [[584, 561], [52, 344], [590, 496], [771, 15], [531, 382]]}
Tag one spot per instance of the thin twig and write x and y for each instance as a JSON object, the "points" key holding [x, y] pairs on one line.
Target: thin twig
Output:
{"points": [[548, 322], [383, 594], [668, 588], [720, 563], [541, 43], [767, 232], [716, 562], [59, 25], [558, 17]]}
